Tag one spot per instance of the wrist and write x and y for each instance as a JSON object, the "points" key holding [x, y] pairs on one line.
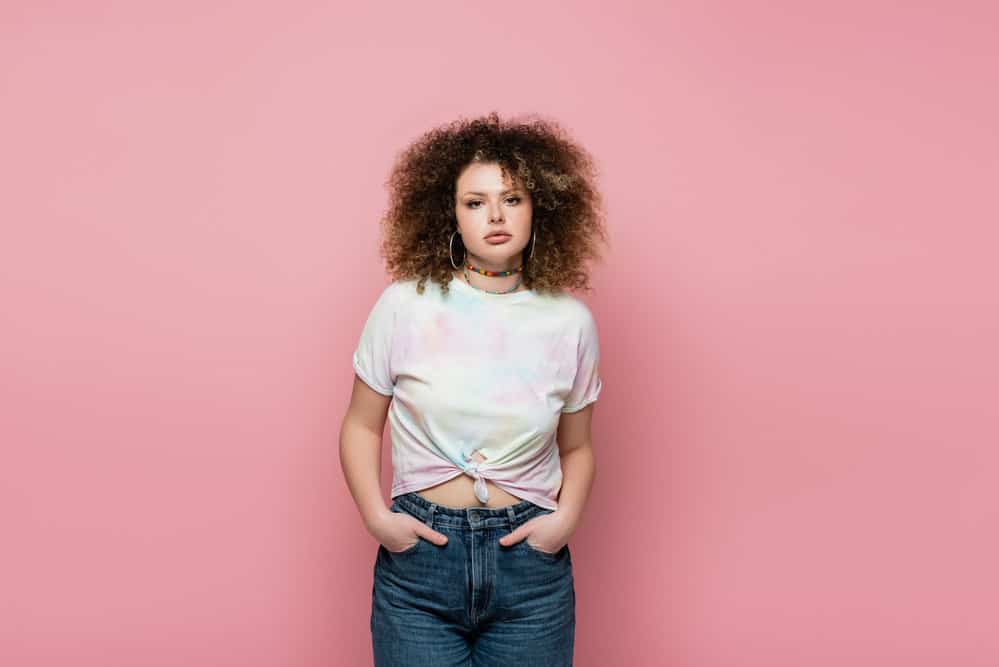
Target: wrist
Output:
{"points": [[374, 516], [567, 516]]}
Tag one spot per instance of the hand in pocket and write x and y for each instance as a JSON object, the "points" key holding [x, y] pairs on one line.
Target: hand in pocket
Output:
{"points": [[398, 532]]}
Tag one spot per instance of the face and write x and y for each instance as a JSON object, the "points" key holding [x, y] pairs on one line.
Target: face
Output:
{"points": [[485, 203]]}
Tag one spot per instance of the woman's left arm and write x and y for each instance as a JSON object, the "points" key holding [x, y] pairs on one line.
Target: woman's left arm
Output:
{"points": [[554, 529], [578, 465]]}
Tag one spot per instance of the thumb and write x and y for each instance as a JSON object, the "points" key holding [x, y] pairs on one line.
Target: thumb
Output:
{"points": [[511, 538], [440, 539]]}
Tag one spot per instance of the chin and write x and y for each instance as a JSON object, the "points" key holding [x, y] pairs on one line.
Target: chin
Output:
{"points": [[501, 250]]}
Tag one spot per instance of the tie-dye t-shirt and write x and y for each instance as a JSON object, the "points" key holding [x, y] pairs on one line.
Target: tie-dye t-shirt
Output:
{"points": [[474, 371]]}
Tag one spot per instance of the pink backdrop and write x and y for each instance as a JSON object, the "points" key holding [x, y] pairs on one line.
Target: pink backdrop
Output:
{"points": [[797, 440]]}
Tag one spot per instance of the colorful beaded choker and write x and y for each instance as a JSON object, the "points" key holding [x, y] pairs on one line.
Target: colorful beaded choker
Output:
{"points": [[494, 273]]}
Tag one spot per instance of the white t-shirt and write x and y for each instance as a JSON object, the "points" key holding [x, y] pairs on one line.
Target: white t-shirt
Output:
{"points": [[472, 370]]}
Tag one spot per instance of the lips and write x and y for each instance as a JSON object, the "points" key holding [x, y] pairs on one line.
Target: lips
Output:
{"points": [[495, 234]]}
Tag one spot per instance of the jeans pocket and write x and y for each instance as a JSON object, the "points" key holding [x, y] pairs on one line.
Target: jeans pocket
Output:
{"points": [[410, 549], [407, 550], [535, 550], [543, 554]]}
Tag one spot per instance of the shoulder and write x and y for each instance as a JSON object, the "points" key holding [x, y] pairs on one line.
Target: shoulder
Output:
{"points": [[574, 309], [398, 291], [401, 295]]}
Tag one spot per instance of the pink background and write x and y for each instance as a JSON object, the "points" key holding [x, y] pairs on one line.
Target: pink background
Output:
{"points": [[797, 441]]}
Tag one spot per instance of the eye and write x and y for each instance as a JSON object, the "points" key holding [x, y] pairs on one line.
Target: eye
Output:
{"points": [[515, 199], [474, 201]]}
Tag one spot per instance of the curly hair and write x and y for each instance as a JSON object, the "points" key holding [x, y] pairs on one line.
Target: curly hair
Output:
{"points": [[568, 216]]}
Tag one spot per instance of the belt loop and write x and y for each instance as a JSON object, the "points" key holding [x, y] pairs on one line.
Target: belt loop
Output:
{"points": [[430, 515], [512, 516]]}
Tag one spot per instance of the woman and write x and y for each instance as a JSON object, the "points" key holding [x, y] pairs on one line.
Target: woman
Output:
{"points": [[487, 377]]}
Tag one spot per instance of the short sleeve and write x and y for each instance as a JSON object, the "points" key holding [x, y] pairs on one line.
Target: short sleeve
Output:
{"points": [[372, 357], [587, 383]]}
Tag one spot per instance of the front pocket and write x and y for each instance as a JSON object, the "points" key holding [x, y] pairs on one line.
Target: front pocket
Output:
{"points": [[407, 550], [539, 552]]}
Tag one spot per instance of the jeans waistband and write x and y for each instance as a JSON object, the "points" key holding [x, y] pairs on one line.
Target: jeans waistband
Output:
{"points": [[432, 514]]}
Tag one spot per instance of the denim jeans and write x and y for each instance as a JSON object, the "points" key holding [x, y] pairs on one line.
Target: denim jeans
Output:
{"points": [[472, 602]]}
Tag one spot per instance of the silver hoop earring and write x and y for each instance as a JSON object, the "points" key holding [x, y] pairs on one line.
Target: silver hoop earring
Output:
{"points": [[534, 235], [450, 251]]}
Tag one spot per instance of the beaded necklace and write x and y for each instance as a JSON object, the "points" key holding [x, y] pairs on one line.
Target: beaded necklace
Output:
{"points": [[484, 272]]}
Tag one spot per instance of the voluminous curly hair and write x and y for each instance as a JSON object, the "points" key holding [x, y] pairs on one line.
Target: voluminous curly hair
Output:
{"points": [[560, 176]]}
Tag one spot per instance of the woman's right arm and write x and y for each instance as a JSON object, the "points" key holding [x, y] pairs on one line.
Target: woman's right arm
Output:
{"points": [[361, 460], [361, 451]]}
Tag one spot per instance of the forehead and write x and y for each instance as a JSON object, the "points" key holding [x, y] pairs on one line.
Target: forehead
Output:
{"points": [[484, 177]]}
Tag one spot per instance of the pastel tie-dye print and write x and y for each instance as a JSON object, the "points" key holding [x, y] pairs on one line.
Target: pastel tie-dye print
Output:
{"points": [[474, 371]]}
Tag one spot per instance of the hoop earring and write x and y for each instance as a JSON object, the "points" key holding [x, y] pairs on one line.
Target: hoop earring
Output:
{"points": [[450, 251], [534, 235]]}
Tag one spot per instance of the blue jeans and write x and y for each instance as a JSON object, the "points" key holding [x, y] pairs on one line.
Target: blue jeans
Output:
{"points": [[472, 602]]}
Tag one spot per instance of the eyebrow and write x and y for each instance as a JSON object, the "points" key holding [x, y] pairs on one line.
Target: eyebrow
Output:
{"points": [[482, 194]]}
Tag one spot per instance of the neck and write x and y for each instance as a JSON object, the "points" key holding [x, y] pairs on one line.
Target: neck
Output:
{"points": [[507, 265], [492, 283]]}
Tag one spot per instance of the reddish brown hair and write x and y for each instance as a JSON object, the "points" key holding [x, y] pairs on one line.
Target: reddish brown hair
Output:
{"points": [[559, 175]]}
